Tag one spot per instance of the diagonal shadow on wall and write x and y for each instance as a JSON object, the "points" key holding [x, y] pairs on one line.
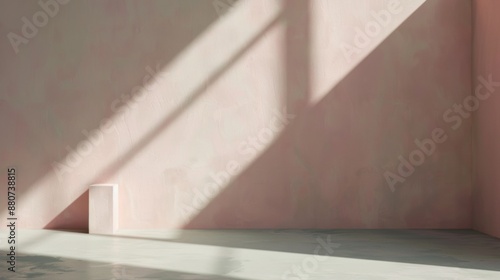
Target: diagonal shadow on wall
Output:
{"points": [[151, 36], [321, 172]]}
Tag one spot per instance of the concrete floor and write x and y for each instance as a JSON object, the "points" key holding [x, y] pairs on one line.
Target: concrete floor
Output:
{"points": [[256, 254]]}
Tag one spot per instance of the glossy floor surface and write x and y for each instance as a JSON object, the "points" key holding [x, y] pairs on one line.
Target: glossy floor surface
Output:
{"points": [[255, 255]]}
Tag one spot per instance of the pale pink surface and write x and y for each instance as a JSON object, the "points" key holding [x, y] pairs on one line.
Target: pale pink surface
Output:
{"points": [[323, 170], [487, 62]]}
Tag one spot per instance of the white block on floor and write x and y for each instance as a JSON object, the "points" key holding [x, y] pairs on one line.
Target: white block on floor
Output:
{"points": [[103, 208]]}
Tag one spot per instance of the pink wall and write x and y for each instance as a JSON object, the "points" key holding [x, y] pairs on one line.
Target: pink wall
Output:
{"points": [[487, 125], [188, 105]]}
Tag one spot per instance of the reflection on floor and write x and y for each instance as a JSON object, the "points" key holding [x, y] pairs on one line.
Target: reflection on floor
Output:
{"points": [[255, 254]]}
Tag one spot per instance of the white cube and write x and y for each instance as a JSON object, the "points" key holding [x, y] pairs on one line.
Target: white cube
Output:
{"points": [[103, 208]]}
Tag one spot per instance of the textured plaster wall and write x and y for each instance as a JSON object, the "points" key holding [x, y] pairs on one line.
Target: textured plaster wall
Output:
{"points": [[487, 126], [274, 114]]}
